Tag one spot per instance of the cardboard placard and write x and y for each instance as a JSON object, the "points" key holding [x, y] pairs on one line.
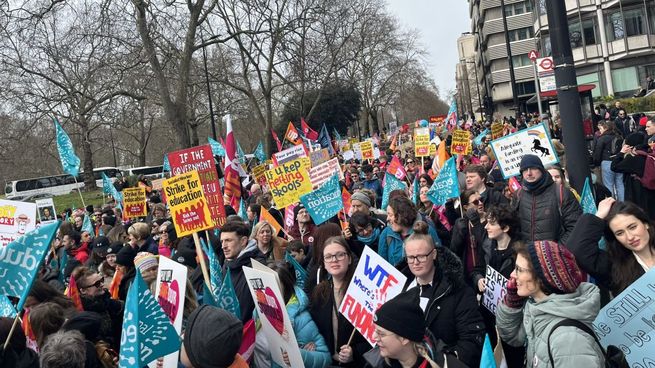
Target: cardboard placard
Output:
{"points": [[289, 154], [495, 290], [461, 142], [134, 202], [510, 149], [319, 157], [496, 130], [421, 142], [46, 210], [259, 172], [188, 205], [367, 150], [16, 219], [289, 181], [321, 173]]}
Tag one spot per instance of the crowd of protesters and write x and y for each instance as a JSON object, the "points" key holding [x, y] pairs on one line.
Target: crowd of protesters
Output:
{"points": [[536, 236]]}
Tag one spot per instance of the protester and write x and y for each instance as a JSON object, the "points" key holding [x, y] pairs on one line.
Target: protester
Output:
{"points": [[469, 231], [303, 228], [125, 263], [366, 231], [140, 238], [64, 349], [476, 179], [606, 147], [632, 166], [16, 354], [271, 246], [360, 202]]}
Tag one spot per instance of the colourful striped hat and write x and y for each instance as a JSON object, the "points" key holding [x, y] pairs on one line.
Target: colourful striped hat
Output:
{"points": [[555, 266]]}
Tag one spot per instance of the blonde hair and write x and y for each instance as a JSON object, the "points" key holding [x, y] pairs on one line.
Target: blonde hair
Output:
{"points": [[276, 242], [139, 230], [422, 351]]}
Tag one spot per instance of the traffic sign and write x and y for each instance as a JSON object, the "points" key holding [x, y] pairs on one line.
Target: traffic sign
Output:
{"points": [[533, 55], [545, 64]]}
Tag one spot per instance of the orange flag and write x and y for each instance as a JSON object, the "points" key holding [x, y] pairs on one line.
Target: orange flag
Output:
{"points": [[292, 135], [115, 283], [393, 142], [73, 292], [264, 215], [345, 197], [441, 157], [27, 327]]}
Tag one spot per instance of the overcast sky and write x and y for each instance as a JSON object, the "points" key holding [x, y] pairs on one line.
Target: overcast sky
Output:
{"points": [[440, 23]]}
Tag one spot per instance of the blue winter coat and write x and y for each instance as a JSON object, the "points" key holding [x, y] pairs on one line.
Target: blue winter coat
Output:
{"points": [[390, 244]]}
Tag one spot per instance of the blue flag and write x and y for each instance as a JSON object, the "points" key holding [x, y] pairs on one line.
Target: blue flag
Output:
{"points": [[391, 183], [301, 273], [109, 188], [167, 165], [587, 201], [446, 185], [147, 332], [69, 161], [242, 209], [324, 140], [416, 191], [217, 148], [478, 140], [215, 275], [240, 154], [63, 262], [324, 202], [6, 308], [488, 360], [451, 116], [20, 260], [337, 136], [259, 152], [227, 297], [86, 225]]}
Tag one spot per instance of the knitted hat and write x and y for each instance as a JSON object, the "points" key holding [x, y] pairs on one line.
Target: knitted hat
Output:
{"points": [[643, 121], [210, 327], [531, 162], [362, 198], [145, 261], [555, 266], [403, 316], [634, 139], [114, 248], [125, 257]]}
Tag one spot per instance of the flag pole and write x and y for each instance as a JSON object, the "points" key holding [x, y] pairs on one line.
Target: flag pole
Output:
{"points": [[80, 192], [11, 332], [201, 257]]}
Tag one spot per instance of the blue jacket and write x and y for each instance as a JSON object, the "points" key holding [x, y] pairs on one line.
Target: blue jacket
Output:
{"points": [[390, 245], [306, 331]]}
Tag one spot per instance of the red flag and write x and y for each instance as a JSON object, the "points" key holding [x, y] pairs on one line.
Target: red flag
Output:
{"points": [[292, 135], [74, 294], [307, 131], [235, 202], [248, 340], [277, 140], [232, 182], [345, 197], [396, 168]]}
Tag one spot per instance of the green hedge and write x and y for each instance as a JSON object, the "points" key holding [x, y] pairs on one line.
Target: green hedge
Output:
{"points": [[632, 104]]}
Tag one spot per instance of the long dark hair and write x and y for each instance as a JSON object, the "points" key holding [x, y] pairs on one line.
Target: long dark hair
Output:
{"points": [[625, 268], [323, 290]]}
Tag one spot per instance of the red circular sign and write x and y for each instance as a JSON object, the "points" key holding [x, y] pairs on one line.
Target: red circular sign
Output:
{"points": [[546, 64]]}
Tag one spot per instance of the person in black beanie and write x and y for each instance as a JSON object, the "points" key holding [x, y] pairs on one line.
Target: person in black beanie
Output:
{"points": [[125, 263], [547, 210]]}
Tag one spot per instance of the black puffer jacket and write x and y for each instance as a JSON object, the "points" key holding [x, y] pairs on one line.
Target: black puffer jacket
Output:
{"points": [[452, 313], [542, 217], [246, 304]]}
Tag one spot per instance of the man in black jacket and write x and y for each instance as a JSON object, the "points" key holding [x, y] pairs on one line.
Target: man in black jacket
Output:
{"points": [[547, 211], [476, 179]]}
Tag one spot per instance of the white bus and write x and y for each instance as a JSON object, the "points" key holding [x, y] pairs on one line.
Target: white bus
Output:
{"points": [[150, 172], [54, 185]]}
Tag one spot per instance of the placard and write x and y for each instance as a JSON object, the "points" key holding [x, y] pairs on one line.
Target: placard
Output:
{"points": [[16, 219], [259, 172], [496, 130], [321, 173], [273, 316], [495, 290], [289, 181], [461, 142], [357, 150], [134, 202], [188, 205], [46, 210], [201, 159], [319, 157], [510, 149], [421, 142], [374, 282], [289, 154], [324, 202], [367, 150]]}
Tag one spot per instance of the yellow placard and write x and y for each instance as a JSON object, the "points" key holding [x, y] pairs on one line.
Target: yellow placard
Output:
{"points": [[496, 130], [461, 142], [134, 202], [421, 142], [189, 208], [259, 172], [289, 181], [367, 150]]}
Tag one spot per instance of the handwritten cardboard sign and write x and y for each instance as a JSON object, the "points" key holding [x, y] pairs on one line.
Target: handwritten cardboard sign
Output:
{"points": [[289, 154], [321, 173], [289, 181], [510, 149], [495, 290]]}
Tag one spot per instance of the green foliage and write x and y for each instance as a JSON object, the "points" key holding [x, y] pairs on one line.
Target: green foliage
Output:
{"points": [[72, 200], [631, 104]]}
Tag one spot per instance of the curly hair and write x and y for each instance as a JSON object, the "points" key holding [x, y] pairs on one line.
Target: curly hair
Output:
{"points": [[505, 217], [404, 210]]}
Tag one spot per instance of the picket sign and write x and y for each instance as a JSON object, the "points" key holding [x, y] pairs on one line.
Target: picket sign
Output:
{"points": [[495, 290], [510, 149]]}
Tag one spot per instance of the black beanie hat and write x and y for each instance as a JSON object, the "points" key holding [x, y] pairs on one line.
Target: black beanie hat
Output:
{"points": [[125, 256], [210, 327], [403, 316], [114, 248], [531, 161], [100, 244], [186, 256]]}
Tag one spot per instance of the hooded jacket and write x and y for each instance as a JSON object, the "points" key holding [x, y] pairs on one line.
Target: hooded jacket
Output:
{"points": [[542, 217], [239, 282], [533, 323], [390, 244], [452, 313]]}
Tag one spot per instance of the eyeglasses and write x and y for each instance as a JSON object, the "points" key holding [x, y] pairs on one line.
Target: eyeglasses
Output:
{"points": [[410, 162], [420, 258], [520, 270], [363, 231], [98, 284], [475, 202], [335, 257], [382, 335]]}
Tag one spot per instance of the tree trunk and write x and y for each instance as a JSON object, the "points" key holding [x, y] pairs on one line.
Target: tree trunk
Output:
{"points": [[87, 153], [144, 139]]}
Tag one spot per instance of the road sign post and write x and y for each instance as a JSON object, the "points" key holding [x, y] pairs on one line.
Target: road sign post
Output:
{"points": [[533, 55]]}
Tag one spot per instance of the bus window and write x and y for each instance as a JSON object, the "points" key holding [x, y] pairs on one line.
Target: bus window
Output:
{"points": [[9, 188]]}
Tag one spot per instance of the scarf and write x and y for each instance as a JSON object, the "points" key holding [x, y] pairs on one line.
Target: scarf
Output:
{"points": [[368, 240]]}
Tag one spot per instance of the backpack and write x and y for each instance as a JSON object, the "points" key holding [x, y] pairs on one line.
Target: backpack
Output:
{"points": [[614, 357], [617, 144], [648, 179]]}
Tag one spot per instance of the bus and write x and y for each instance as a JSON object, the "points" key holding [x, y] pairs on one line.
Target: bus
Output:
{"points": [[150, 172], [55, 184]]}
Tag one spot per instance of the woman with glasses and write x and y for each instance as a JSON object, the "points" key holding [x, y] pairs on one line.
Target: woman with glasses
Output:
{"points": [[448, 303], [366, 230], [549, 310], [468, 232], [337, 265]]}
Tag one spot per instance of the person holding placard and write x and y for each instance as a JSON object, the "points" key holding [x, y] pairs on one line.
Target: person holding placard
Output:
{"points": [[449, 305]]}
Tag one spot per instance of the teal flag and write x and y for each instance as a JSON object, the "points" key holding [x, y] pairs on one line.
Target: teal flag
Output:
{"points": [[6, 308], [478, 140], [109, 188], [337, 136], [63, 262], [391, 183], [147, 332], [588, 204], [20, 260], [217, 148], [86, 225], [215, 275], [416, 191], [259, 152], [242, 209], [445, 186], [240, 154], [167, 165], [488, 360], [69, 161], [227, 297], [324, 202], [301, 273]]}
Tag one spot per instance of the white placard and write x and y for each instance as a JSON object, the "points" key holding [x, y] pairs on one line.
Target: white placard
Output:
{"points": [[495, 289], [46, 211], [16, 219], [510, 149]]}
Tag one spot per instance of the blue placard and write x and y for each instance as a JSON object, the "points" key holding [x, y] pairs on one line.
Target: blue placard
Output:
{"points": [[324, 202]]}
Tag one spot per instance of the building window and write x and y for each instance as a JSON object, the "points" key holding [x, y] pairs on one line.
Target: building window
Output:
{"points": [[518, 8], [635, 22], [542, 7], [625, 79], [521, 60], [614, 26], [525, 88], [521, 34], [546, 48], [582, 35], [589, 31], [592, 78]]}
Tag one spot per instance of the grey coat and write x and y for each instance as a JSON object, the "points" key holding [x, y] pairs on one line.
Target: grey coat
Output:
{"points": [[532, 324]]}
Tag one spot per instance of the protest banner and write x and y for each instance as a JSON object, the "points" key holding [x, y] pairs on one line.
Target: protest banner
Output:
{"points": [[348, 155], [421, 142], [259, 172], [496, 130], [510, 149], [289, 154], [188, 205], [374, 282], [434, 144], [157, 184], [495, 290], [200, 159], [321, 173], [16, 219], [289, 181], [273, 315], [134, 202], [446, 185], [367, 150], [324, 202], [46, 210], [170, 292], [461, 142], [357, 150], [319, 157], [628, 322], [390, 184]]}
